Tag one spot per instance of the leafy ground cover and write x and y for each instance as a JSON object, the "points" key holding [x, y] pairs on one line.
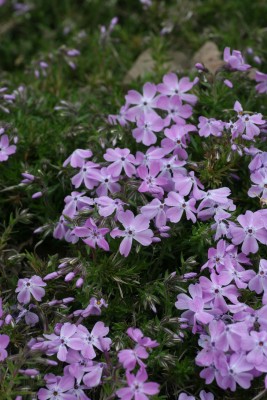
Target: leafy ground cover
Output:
{"points": [[187, 159]]}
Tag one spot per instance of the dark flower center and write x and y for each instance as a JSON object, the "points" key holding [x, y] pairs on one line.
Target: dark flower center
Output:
{"points": [[122, 158], [106, 180], [145, 103], [260, 343], [216, 290], [28, 284], [55, 393], [250, 230]]}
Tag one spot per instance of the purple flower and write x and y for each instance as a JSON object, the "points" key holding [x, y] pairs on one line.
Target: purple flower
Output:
{"points": [[184, 185], [95, 338], [259, 282], [178, 206], [5, 149], [184, 396], [92, 235], [235, 61], [83, 176], [106, 206], [108, 182], [247, 124], [58, 389], [256, 345], [155, 209], [195, 305], [172, 86], [176, 139], [142, 104], [177, 111], [152, 183], [76, 202], [138, 388], [76, 159], [68, 338], [259, 177], [235, 371], [250, 231], [121, 118], [260, 77], [129, 357], [210, 126], [4, 341], [121, 159], [136, 228], [138, 336], [147, 124], [27, 287]]}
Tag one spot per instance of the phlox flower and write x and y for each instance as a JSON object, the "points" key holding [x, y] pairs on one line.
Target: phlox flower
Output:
{"points": [[210, 126], [93, 375], [194, 305], [152, 182], [184, 185], [176, 139], [235, 61], [83, 176], [106, 206], [261, 78], [256, 345], [141, 103], [259, 178], [68, 338], [172, 86], [138, 388], [258, 283], [138, 336], [177, 206], [251, 231], [184, 396], [76, 159], [151, 155], [147, 124], [120, 118], [248, 124], [4, 341], [130, 357], [231, 272], [5, 148], [108, 182], [58, 389], [177, 111], [92, 235], [155, 209], [136, 228], [95, 338], [120, 159], [76, 202], [234, 371], [30, 286]]}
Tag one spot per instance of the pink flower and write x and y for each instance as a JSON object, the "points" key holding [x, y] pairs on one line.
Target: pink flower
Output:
{"points": [[27, 287], [184, 185], [259, 177], [173, 86], [107, 206], [58, 389], [142, 104], [121, 159], [4, 341], [248, 123], [76, 202], [129, 357], [95, 338], [176, 139], [259, 282], [195, 305], [250, 231], [235, 61], [138, 388], [155, 209], [178, 206], [147, 124], [76, 159], [138, 336], [260, 77], [5, 149], [108, 182], [152, 182], [210, 126], [136, 228], [177, 111], [83, 176], [92, 235]]}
